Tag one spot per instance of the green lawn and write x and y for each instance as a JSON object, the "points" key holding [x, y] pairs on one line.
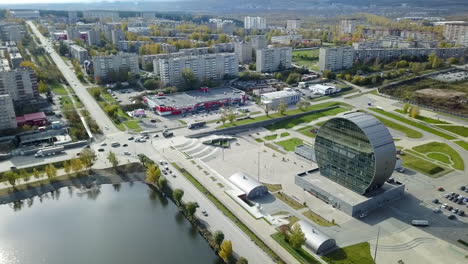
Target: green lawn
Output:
{"points": [[259, 140], [42, 60], [411, 133], [275, 148], [290, 144], [300, 254], [413, 123], [462, 144], [284, 134], [290, 112], [288, 200], [424, 118], [440, 157], [308, 58], [270, 137], [58, 89], [459, 130], [304, 119], [423, 166], [273, 187], [355, 254], [445, 149], [317, 218], [307, 131], [182, 122], [134, 125]]}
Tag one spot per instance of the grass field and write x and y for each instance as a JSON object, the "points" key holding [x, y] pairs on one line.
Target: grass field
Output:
{"points": [[462, 144], [413, 123], [424, 118], [317, 219], [58, 89], [440, 149], [288, 200], [290, 144], [423, 166], [304, 119], [411, 133], [284, 134], [134, 125], [459, 130], [300, 254], [275, 148], [307, 131], [270, 137], [273, 187], [259, 140], [308, 58], [355, 254]]}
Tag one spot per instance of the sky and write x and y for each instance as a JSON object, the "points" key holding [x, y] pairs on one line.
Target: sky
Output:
{"points": [[60, 1]]}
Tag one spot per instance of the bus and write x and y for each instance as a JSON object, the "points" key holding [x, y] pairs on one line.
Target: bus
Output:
{"points": [[196, 125], [420, 222]]}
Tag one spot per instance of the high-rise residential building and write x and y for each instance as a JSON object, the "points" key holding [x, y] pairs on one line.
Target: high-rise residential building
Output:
{"points": [[117, 35], [255, 22], [243, 51], [336, 58], [79, 53], [154, 58], [73, 33], [274, 59], [347, 26], [94, 38], [293, 24], [7, 112], [223, 47], [456, 32], [72, 16], [208, 66], [386, 54], [121, 62], [101, 15], [25, 14], [258, 42], [20, 84], [224, 26], [12, 31], [148, 15]]}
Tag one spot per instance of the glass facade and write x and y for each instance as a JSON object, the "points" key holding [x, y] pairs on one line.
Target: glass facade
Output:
{"points": [[345, 155]]}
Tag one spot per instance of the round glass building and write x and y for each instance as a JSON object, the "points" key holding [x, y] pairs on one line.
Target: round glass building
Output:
{"points": [[355, 150]]}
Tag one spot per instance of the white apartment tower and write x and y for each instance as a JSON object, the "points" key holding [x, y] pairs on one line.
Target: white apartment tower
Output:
{"points": [[293, 24], [274, 59], [243, 51], [347, 26], [7, 112], [254, 22], [456, 32], [258, 42], [20, 84], [208, 66], [336, 58]]}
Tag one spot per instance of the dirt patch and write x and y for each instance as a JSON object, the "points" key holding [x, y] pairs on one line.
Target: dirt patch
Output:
{"points": [[440, 93]]}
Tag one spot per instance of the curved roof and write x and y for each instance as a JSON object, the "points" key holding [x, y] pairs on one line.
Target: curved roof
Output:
{"points": [[380, 140], [316, 240], [245, 182]]}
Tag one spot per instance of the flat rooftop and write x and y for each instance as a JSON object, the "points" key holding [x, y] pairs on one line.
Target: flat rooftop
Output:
{"points": [[343, 193], [190, 98]]}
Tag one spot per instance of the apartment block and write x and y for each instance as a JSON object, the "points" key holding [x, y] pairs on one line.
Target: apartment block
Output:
{"points": [[286, 39], [148, 15], [73, 33], [103, 65], [7, 112], [391, 53], [94, 38], [12, 31], [20, 84], [101, 15], [456, 32], [224, 26], [79, 53], [347, 26], [72, 16], [243, 52], [25, 14], [223, 47], [336, 58], [258, 42], [117, 35], [255, 22], [293, 24], [208, 66], [274, 59]]}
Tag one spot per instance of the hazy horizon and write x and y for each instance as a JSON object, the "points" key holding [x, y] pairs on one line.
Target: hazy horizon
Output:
{"points": [[75, 1]]}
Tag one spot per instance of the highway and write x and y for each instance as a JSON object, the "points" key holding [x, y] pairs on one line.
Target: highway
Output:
{"points": [[88, 101]]}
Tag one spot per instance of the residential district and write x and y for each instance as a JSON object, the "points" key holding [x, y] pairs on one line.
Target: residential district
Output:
{"points": [[337, 142]]}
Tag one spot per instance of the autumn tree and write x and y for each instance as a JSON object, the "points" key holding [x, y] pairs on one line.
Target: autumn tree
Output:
{"points": [[226, 250], [405, 108], [51, 171], [302, 105], [231, 117], [282, 107], [296, 237], [242, 260], [162, 183], [414, 111], [29, 64], [177, 194], [67, 166], [11, 177], [36, 173], [76, 165], [112, 158], [88, 157], [153, 173], [42, 88], [267, 109]]}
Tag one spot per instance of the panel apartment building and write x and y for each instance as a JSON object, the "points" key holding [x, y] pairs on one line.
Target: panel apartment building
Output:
{"points": [[101, 15], [254, 22], [7, 112], [456, 32], [336, 58], [274, 59], [208, 66], [20, 84], [103, 65], [243, 51]]}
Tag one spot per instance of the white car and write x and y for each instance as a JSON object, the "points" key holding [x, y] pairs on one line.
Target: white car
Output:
{"points": [[127, 153]]}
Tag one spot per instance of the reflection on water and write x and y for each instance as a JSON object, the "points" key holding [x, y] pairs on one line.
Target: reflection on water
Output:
{"points": [[120, 223]]}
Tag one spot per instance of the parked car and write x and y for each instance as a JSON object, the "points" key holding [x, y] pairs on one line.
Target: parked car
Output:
{"points": [[461, 213], [127, 153], [125, 145], [435, 201], [455, 210], [100, 150], [103, 144], [451, 217], [462, 188], [204, 213], [436, 210], [447, 195], [444, 206], [131, 138]]}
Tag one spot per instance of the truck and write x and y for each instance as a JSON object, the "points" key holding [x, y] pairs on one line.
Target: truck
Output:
{"points": [[49, 151], [196, 125], [420, 222]]}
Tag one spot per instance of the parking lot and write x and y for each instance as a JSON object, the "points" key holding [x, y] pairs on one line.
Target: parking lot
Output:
{"points": [[452, 76]]}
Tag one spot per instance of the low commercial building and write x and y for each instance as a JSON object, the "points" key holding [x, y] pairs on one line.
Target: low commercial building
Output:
{"points": [[79, 53], [248, 185], [288, 96], [16, 59], [274, 59], [336, 58], [34, 119], [193, 101], [316, 240], [7, 112], [321, 89]]}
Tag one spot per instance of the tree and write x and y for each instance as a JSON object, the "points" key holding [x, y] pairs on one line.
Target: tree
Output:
{"points": [[177, 194], [76, 165], [282, 107], [218, 237], [42, 88], [112, 158], [328, 74], [111, 110], [267, 109], [95, 92], [63, 50], [226, 250], [88, 157], [190, 209], [67, 166], [11, 177], [242, 260], [190, 80], [36, 173], [51, 171], [414, 111], [23, 175], [452, 60], [296, 237], [231, 117], [162, 183], [153, 173], [29, 64], [293, 77], [405, 108], [152, 84], [223, 118]]}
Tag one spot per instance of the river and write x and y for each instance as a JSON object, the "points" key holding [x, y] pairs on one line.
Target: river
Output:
{"points": [[126, 223]]}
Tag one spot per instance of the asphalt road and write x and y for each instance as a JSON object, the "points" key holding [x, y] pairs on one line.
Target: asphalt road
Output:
{"points": [[89, 102]]}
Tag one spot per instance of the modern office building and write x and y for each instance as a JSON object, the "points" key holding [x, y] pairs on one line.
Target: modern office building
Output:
{"points": [[103, 65], [347, 26], [286, 39], [25, 14], [117, 35], [287, 96], [456, 32], [255, 22], [79, 53], [208, 66], [258, 42], [101, 15], [7, 112], [293, 24], [243, 52], [274, 59], [336, 58], [20, 84]]}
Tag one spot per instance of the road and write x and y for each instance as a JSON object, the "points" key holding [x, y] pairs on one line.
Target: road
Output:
{"points": [[89, 102]]}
